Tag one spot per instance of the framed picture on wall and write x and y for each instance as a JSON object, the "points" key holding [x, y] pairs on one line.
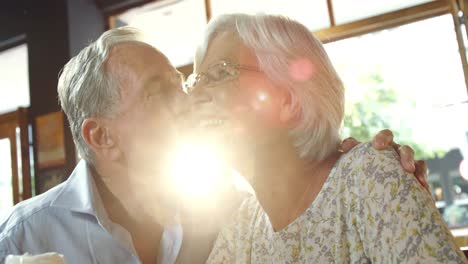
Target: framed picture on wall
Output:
{"points": [[46, 179], [50, 140]]}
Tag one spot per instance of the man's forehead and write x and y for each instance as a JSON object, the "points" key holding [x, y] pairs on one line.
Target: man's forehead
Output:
{"points": [[140, 65], [142, 59], [132, 46]]}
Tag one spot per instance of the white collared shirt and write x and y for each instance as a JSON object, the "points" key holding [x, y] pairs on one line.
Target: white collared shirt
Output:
{"points": [[70, 219]]}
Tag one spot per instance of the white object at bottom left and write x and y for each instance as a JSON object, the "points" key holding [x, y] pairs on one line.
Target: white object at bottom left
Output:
{"points": [[47, 258]]}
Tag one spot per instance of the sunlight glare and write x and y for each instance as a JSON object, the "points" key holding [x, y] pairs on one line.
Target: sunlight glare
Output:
{"points": [[197, 170]]}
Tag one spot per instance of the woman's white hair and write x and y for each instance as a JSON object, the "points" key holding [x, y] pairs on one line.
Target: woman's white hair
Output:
{"points": [[86, 89], [278, 42]]}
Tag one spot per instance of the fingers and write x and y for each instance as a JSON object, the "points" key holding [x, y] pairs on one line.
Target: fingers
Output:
{"points": [[421, 173], [396, 147], [383, 139], [407, 158], [347, 144]]}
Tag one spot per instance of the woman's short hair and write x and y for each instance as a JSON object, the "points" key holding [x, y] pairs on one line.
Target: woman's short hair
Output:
{"points": [[86, 89], [282, 46]]}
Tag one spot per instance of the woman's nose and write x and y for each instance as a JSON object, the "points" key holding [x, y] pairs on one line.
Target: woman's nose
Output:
{"points": [[200, 96]]}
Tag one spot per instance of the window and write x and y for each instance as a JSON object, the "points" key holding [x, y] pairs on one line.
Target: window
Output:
{"points": [[313, 14], [14, 83], [410, 79], [6, 190], [347, 11], [173, 27]]}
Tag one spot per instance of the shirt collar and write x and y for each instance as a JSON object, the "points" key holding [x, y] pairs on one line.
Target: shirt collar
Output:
{"points": [[80, 194], [170, 244]]}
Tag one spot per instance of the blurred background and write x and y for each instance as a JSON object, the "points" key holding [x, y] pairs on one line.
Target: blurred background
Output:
{"points": [[403, 63]]}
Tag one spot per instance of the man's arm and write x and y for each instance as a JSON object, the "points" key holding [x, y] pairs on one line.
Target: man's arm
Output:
{"points": [[7, 247]]}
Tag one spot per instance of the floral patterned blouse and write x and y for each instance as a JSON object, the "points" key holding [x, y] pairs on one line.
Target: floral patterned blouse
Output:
{"points": [[369, 210]]}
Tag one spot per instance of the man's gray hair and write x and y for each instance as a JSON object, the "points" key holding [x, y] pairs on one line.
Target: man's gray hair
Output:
{"points": [[86, 89], [279, 42]]}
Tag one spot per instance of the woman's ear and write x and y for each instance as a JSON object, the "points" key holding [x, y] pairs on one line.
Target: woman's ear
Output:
{"points": [[99, 137], [288, 112]]}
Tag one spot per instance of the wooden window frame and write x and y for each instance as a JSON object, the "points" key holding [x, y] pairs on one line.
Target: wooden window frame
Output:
{"points": [[457, 6], [384, 21], [19, 118], [363, 26]]}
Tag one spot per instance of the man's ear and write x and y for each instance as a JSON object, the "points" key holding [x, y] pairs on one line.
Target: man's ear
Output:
{"points": [[99, 138], [288, 113]]}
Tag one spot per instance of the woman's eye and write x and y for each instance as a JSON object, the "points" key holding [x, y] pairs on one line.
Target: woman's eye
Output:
{"points": [[221, 74]]}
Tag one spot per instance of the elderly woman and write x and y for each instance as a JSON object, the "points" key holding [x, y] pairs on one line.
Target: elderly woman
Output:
{"points": [[266, 89]]}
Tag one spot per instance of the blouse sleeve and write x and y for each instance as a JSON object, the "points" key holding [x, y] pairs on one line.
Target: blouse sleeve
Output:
{"points": [[398, 220], [223, 251], [234, 241]]}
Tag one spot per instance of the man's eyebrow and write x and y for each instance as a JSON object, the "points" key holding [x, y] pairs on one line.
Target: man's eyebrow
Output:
{"points": [[157, 82]]}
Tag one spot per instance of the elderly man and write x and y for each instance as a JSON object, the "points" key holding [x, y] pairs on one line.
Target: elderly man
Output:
{"points": [[121, 97]]}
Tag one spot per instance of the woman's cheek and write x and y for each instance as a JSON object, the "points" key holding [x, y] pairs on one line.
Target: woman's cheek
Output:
{"points": [[259, 104]]}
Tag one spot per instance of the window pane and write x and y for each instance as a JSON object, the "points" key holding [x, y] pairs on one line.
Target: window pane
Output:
{"points": [[410, 79], [347, 11], [6, 189], [173, 27], [14, 83], [313, 14]]}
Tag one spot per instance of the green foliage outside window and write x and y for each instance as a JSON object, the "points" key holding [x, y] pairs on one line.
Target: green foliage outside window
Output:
{"points": [[380, 108]]}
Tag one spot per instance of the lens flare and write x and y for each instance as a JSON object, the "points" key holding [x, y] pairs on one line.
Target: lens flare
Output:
{"points": [[197, 170], [301, 69], [463, 168], [262, 96]]}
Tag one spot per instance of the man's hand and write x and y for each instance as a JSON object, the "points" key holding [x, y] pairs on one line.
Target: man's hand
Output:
{"points": [[384, 139]]}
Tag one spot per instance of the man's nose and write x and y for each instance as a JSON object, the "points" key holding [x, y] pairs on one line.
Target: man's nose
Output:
{"points": [[178, 102]]}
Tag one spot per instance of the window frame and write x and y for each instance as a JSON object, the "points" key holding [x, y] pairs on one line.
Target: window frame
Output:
{"points": [[355, 28]]}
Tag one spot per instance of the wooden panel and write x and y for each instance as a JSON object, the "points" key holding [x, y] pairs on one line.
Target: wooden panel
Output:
{"points": [[113, 7], [208, 9], [8, 117], [23, 124], [330, 13], [9, 122]]}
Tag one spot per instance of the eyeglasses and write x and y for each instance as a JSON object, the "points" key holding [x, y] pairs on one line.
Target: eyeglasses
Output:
{"points": [[216, 74]]}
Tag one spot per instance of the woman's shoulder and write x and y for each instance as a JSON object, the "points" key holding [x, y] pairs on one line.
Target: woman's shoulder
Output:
{"points": [[365, 163], [364, 155], [242, 219], [366, 150], [248, 209]]}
